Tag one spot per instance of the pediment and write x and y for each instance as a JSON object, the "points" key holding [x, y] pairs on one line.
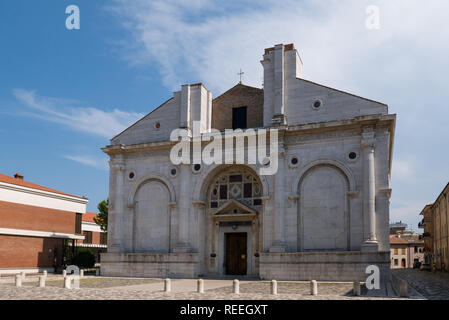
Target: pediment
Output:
{"points": [[234, 208]]}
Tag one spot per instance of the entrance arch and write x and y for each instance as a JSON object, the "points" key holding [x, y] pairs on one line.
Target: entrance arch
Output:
{"points": [[234, 202]]}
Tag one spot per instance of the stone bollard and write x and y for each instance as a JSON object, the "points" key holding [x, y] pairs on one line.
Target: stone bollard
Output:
{"points": [[236, 287], [67, 282], [44, 273], [167, 285], [23, 275], [42, 281], [200, 287], [403, 288], [81, 273], [274, 287], [64, 273], [18, 280], [313, 288], [357, 288]]}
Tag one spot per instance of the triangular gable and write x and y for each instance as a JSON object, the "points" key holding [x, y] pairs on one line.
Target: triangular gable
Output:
{"points": [[233, 207]]}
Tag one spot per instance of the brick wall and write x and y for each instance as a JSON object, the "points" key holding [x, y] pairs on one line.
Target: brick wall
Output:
{"points": [[29, 252], [19, 216], [238, 96]]}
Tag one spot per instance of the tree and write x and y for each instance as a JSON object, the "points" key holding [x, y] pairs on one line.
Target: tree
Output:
{"points": [[102, 218]]}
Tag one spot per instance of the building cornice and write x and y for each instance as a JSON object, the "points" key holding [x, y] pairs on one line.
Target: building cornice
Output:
{"points": [[42, 193], [39, 234], [356, 122]]}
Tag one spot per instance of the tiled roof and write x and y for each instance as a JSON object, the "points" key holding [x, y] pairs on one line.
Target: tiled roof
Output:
{"points": [[397, 240], [394, 239], [89, 216], [19, 182]]}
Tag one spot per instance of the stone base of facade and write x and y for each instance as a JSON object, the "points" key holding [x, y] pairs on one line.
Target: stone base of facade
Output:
{"points": [[157, 265], [323, 266], [320, 266]]}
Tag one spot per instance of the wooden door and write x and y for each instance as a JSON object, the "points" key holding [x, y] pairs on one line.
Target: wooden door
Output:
{"points": [[236, 253]]}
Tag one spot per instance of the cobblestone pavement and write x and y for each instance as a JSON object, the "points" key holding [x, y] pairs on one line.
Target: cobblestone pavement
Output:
{"points": [[152, 289], [433, 286]]}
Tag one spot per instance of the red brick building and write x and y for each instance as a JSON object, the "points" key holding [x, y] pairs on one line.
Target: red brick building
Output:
{"points": [[35, 221]]}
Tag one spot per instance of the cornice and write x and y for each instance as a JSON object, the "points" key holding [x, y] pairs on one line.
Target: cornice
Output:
{"points": [[42, 193]]}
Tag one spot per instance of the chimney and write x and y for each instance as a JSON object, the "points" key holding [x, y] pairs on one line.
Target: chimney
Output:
{"points": [[282, 66], [18, 176]]}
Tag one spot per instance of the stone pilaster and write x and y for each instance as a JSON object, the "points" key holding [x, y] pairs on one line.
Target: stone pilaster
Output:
{"points": [[279, 202], [183, 209], [116, 203], [369, 188]]}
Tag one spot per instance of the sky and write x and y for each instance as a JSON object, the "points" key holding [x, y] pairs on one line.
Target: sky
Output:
{"points": [[65, 93]]}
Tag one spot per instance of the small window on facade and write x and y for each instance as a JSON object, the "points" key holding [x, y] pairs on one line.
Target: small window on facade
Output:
{"points": [[352, 155], [103, 238], [78, 219], [87, 236], [239, 120], [396, 262]]}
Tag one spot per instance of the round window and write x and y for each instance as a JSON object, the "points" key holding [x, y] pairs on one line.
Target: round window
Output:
{"points": [[131, 175], [352, 155], [294, 161], [197, 167]]}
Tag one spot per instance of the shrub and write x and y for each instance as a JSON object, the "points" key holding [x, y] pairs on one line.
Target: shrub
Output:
{"points": [[83, 258]]}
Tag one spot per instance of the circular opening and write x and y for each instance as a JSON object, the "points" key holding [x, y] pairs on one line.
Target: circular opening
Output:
{"points": [[266, 161], [317, 104], [294, 161], [197, 167], [173, 172], [131, 175], [157, 125], [352, 155]]}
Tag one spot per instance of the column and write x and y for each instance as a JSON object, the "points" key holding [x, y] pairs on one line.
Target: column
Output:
{"points": [[183, 209], [369, 188], [279, 203], [116, 202]]}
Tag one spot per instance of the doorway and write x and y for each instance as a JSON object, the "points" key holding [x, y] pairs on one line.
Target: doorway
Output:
{"points": [[236, 253]]}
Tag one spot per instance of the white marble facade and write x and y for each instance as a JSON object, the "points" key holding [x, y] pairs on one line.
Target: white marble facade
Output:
{"points": [[323, 216]]}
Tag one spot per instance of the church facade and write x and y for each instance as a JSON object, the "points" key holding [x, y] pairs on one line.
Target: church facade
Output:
{"points": [[323, 215]]}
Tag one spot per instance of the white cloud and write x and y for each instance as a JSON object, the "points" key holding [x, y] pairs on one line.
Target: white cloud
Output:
{"points": [[210, 41], [403, 170], [85, 119], [98, 163]]}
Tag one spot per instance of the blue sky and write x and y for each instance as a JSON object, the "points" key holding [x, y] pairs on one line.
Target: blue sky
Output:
{"points": [[64, 93]]}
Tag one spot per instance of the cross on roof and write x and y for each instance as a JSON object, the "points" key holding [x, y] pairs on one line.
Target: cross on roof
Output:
{"points": [[240, 74]]}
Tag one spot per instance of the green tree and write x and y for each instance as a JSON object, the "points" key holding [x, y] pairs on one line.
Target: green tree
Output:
{"points": [[102, 218]]}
